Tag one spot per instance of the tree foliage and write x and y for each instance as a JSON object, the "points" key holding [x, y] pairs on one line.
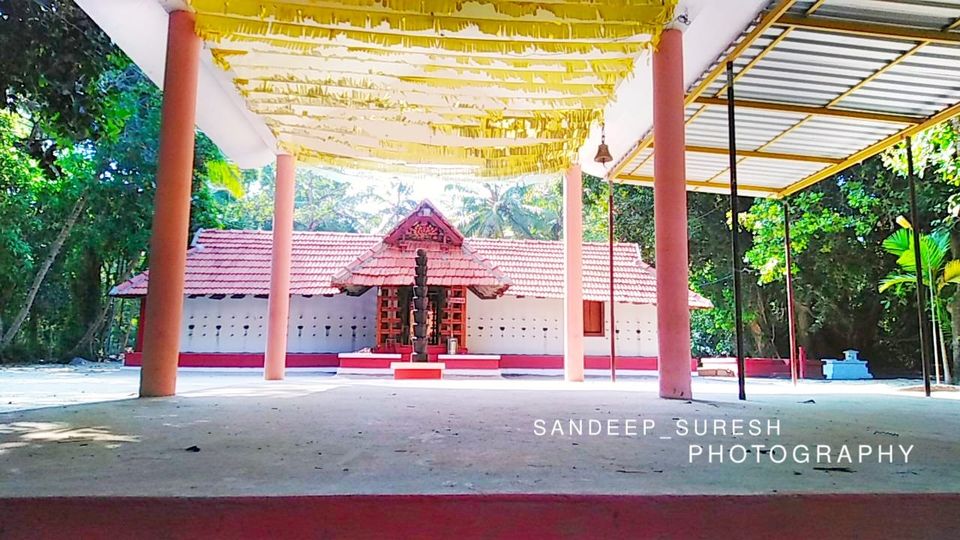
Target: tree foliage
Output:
{"points": [[79, 129], [54, 57], [320, 203]]}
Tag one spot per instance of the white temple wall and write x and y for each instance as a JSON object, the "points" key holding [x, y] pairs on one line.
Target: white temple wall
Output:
{"points": [[344, 323], [512, 325], [242, 322], [337, 323], [317, 324]]}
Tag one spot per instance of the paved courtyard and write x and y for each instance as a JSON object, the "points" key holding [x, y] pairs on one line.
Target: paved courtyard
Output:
{"points": [[234, 434]]}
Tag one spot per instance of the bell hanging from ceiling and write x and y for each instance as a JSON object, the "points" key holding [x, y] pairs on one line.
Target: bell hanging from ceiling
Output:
{"points": [[603, 151]]}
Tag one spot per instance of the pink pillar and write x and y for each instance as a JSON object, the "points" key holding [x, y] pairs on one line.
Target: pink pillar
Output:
{"points": [[573, 274], [171, 215], [670, 218], [275, 359]]}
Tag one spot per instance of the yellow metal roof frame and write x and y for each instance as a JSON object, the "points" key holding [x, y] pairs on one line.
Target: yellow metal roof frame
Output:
{"points": [[794, 109]]}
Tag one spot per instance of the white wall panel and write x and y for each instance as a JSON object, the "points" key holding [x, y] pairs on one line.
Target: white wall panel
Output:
{"points": [[511, 325], [338, 323], [227, 325], [341, 323], [318, 324]]}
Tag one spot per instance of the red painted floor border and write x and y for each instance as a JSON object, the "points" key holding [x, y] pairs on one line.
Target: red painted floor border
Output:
{"points": [[486, 516]]}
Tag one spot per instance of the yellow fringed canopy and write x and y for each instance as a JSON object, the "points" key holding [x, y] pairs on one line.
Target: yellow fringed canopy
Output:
{"points": [[491, 88]]}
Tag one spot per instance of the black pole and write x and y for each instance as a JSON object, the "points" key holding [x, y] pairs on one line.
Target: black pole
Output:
{"points": [[735, 212], [613, 309], [791, 311], [921, 310]]}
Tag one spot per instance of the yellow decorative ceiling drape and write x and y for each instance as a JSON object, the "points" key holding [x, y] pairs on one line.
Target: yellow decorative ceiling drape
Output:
{"points": [[485, 88]]}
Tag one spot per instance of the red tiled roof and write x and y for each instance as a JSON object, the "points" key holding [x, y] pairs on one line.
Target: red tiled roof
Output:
{"points": [[238, 262], [392, 262], [446, 265], [536, 269]]}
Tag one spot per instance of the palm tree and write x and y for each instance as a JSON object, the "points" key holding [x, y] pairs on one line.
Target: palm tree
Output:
{"points": [[498, 211], [327, 204], [938, 273], [398, 200]]}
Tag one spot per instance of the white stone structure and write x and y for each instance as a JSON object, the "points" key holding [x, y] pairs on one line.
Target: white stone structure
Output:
{"points": [[342, 323]]}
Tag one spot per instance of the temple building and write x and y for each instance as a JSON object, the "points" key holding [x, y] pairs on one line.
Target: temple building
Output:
{"points": [[493, 304]]}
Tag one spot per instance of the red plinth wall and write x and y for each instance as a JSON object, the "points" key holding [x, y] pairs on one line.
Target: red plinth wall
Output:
{"points": [[784, 517], [401, 373], [756, 367], [243, 360], [507, 361]]}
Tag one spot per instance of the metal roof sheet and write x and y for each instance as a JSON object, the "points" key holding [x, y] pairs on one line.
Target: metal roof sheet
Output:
{"points": [[823, 85]]}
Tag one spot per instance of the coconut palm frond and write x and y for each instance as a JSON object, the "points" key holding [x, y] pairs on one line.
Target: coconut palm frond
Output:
{"points": [[893, 280], [933, 253], [951, 273], [935, 247], [899, 242]]}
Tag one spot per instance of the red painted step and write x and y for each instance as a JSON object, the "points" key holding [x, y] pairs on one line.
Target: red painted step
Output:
{"points": [[783, 517]]}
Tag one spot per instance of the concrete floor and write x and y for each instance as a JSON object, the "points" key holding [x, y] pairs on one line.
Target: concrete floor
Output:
{"points": [[318, 434]]}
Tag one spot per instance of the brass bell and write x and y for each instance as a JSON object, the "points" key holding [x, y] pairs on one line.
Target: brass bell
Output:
{"points": [[603, 151]]}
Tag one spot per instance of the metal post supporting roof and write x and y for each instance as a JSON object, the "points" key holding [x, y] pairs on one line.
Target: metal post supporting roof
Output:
{"points": [[613, 308], [918, 261], [791, 312], [735, 234]]}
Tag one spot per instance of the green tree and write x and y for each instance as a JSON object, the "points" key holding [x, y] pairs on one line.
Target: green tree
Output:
{"points": [[545, 201], [495, 210], [23, 188], [938, 275], [320, 203], [529, 210], [936, 156], [837, 230], [53, 60], [79, 137], [398, 201]]}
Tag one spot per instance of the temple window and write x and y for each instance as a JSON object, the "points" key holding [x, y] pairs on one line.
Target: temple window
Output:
{"points": [[592, 318]]}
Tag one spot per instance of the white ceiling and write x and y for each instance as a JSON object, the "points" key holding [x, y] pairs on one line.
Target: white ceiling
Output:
{"points": [[245, 139]]}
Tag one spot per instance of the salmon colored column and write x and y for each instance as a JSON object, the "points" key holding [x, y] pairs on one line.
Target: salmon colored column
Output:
{"points": [[171, 217], [670, 218], [573, 274], [275, 359]]}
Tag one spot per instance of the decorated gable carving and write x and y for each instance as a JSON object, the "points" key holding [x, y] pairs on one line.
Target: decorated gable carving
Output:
{"points": [[425, 224], [424, 231]]}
